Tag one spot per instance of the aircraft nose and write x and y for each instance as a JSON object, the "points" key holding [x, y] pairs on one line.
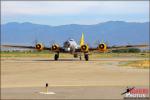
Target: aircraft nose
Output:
{"points": [[66, 44]]}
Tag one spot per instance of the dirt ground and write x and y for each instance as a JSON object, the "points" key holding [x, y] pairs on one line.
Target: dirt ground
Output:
{"points": [[23, 77]]}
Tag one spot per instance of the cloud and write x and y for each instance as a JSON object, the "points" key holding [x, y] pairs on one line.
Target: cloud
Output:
{"points": [[77, 12], [10, 8], [45, 8]]}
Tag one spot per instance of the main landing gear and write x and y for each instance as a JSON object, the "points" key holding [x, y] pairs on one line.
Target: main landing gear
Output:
{"points": [[56, 56], [86, 56]]}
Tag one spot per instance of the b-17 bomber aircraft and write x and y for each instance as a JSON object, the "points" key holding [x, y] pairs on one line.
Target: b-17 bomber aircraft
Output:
{"points": [[71, 46]]}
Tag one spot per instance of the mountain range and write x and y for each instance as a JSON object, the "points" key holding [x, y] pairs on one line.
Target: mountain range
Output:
{"points": [[111, 32]]}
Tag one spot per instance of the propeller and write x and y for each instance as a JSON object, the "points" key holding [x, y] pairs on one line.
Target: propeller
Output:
{"points": [[99, 42], [50, 43], [35, 41]]}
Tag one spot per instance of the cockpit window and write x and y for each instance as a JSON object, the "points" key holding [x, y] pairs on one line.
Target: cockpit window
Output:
{"points": [[71, 40]]}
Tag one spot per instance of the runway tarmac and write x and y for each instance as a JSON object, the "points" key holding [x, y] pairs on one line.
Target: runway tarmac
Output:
{"points": [[69, 78], [66, 92]]}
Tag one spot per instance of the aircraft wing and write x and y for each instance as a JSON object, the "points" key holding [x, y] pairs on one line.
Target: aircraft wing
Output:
{"points": [[103, 47], [18, 46], [125, 47], [31, 47]]}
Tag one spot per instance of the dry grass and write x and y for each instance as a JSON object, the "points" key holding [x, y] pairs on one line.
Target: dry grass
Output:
{"points": [[137, 64], [64, 55]]}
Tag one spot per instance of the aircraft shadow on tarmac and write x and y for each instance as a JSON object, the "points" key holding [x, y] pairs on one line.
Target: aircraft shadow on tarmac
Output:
{"points": [[63, 60]]}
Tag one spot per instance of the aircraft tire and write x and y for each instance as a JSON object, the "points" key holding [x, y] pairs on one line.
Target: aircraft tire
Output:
{"points": [[86, 56], [56, 57]]}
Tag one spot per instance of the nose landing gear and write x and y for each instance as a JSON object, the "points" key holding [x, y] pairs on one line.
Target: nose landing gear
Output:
{"points": [[80, 57]]}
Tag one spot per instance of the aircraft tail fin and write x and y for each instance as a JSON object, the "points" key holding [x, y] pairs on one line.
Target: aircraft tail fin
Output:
{"points": [[82, 40]]}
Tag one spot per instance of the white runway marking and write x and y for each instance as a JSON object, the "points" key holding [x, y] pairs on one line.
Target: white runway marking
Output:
{"points": [[47, 93]]}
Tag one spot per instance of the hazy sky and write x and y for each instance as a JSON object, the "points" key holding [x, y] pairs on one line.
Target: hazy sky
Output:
{"points": [[74, 12]]}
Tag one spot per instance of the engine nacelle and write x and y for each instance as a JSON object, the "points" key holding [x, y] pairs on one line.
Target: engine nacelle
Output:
{"points": [[39, 46], [55, 47], [102, 47], [85, 48]]}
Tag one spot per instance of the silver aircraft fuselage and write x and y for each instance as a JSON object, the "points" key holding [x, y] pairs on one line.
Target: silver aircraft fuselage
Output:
{"points": [[70, 45]]}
